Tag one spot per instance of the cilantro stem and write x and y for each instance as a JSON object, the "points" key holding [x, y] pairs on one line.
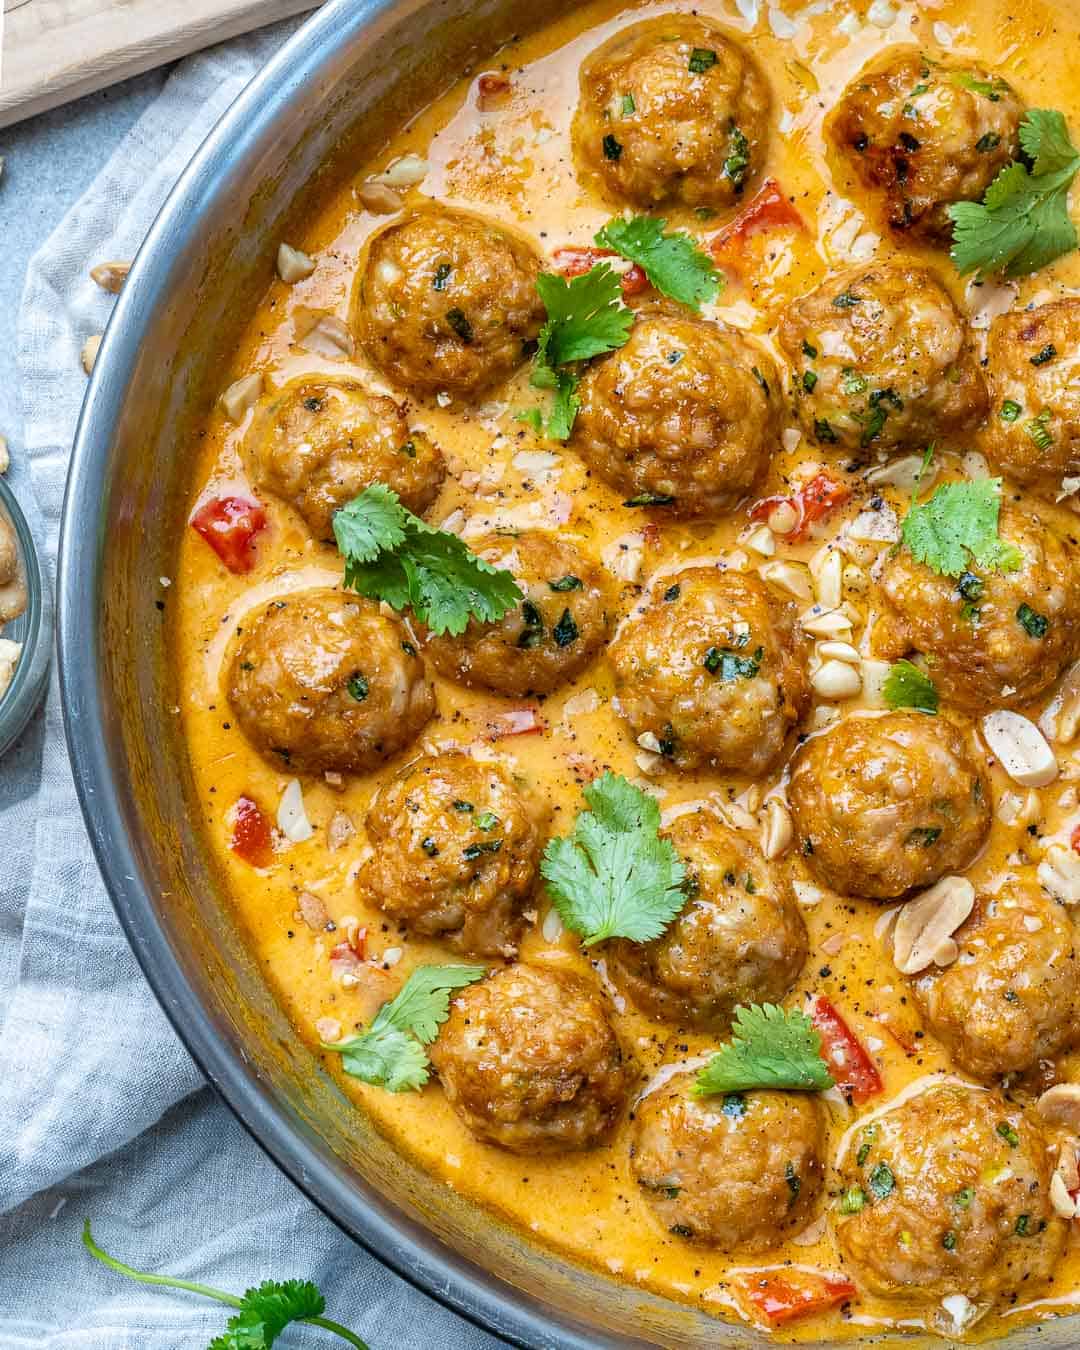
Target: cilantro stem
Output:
{"points": [[190, 1287]]}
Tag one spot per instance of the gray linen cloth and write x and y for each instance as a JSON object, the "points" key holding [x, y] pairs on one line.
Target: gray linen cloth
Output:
{"points": [[102, 1112]]}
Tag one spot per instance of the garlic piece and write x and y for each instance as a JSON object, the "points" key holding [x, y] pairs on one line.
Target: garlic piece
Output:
{"points": [[924, 926], [292, 265], [904, 473], [832, 650], [1014, 809], [807, 894], [89, 352], [1062, 1201], [1061, 720], [379, 199], [837, 680], [1059, 873], [874, 675], [405, 172], [241, 395], [110, 276], [783, 518], [777, 831], [330, 337], [829, 579], [761, 540], [829, 623], [1021, 747], [1060, 1105], [5, 458], [789, 577]]}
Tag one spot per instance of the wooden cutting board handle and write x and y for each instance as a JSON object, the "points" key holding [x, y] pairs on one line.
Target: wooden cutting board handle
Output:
{"points": [[57, 50]]}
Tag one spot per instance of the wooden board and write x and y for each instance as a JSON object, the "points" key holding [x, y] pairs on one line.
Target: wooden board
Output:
{"points": [[57, 50]]}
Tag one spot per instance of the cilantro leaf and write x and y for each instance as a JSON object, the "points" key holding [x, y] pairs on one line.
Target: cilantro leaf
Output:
{"points": [[672, 262], [1023, 221], [770, 1047], [585, 316], [564, 408], [265, 1312], [392, 555], [957, 525], [615, 876], [390, 1052], [906, 686]]}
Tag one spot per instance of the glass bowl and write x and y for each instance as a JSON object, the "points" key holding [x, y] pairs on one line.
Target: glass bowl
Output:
{"points": [[33, 628]]}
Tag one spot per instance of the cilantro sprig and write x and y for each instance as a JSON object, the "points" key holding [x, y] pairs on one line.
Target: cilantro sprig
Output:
{"points": [[262, 1314], [392, 555], [957, 526], [906, 686], [770, 1047], [390, 1051], [1023, 221], [672, 262], [615, 876]]}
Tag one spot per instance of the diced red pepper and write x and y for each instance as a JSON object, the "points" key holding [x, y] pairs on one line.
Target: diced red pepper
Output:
{"points": [[575, 262], [796, 1293], [252, 836], [1074, 839], [229, 525], [812, 502], [898, 1036], [491, 85], [769, 210], [853, 1071]]}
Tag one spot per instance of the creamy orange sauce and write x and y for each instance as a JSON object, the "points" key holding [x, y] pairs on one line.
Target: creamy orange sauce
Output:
{"points": [[513, 162]]}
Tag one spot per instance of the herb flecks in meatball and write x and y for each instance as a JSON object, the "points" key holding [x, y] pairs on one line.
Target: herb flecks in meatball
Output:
{"points": [[529, 1061], [885, 805], [881, 360], [317, 443], [740, 1171], [1012, 996], [740, 938], [455, 853], [672, 109], [1033, 432], [922, 134], [948, 1193], [447, 301], [686, 414], [973, 627], [715, 676], [560, 625], [323, 681]]}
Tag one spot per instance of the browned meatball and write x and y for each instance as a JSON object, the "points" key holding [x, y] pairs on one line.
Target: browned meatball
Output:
{"points": [[447, 301], [923, 134], [455, 854], [739, 939], [317, 443], [885, 804], [1012, 996], [529, 1061], [321, 680], [1034, 428], [882, 360], [712, 672], [737, 1171], [686, 415], [672, 109], [995, 638], [948, 1193], [553, 634]]}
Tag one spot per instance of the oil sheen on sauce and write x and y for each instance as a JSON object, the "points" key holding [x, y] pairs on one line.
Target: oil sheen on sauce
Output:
{"points": [[510, 158]]}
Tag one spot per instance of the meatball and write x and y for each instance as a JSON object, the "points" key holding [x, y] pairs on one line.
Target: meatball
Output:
{"points": [[317, 443], [672, 110], [529, 1061], [322, 680], [737, 1171], [882, 360], [948, 1193], [713, 672], [1012, 996], [740, 938], [455, 855], [996, 638], [686, 415], [885, 804], [447, 301], [1034, 428], [554, 633], [924, 134]]}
